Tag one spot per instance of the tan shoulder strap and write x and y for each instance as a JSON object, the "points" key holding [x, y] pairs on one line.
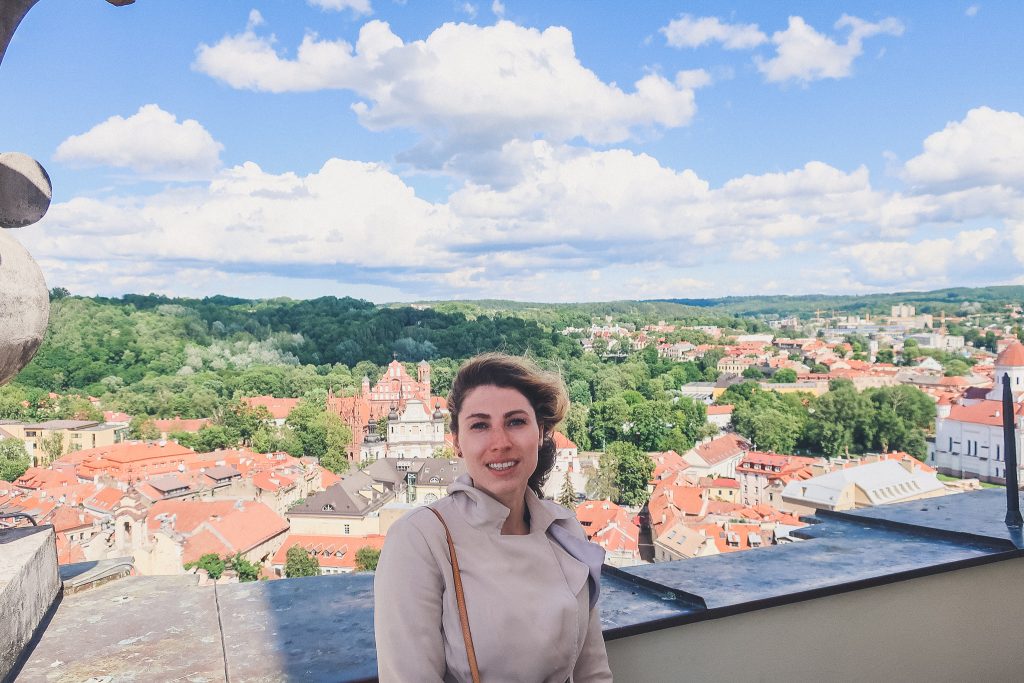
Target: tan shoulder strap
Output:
{"points": [[460, 597]]}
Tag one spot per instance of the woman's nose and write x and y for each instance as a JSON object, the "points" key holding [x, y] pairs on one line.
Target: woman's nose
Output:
{"points": [[499, 438]]}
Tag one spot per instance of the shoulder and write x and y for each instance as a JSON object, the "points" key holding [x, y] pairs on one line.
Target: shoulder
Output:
{"points": [[564, 518]]}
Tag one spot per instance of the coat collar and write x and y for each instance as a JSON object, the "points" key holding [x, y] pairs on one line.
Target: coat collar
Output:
{"points": [[480, 510]]}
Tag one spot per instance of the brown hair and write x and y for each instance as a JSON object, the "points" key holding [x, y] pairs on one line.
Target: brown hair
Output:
{"points": [[544, 390]]}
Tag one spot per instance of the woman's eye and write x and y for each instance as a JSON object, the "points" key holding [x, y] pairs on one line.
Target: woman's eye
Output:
{"points": [[478, 425], [517, 422]]}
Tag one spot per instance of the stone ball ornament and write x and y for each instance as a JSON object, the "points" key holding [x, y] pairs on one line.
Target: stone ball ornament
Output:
{"points": [[25, 194], [25, 190]]}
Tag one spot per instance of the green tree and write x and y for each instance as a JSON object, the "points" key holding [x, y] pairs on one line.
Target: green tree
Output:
{"points": [[632, 473], [298, 563], [819, 369], [650, 424], [382, 427], [601, 485], [335, 461], [575, 426], [143, 428], [14, 459], [784, 376], [884, 355], [367, 558], [212, 563], [246, 570], [245, 420], [319, 433], [956, 368], [52, 446], [753, 373], [567, 495]]}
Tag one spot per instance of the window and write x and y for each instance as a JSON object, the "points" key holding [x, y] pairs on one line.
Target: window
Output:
{"points": [[997, 454], [329, 507], [348, 528]]}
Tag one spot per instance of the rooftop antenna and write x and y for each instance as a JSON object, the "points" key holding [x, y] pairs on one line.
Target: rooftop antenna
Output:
{"points": [[1013, 518]]}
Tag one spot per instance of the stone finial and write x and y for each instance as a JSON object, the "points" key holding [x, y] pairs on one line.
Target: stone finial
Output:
{"points": [[25, 190], [24, 307]]}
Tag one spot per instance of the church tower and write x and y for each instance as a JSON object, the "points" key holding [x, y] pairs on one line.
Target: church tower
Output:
{"points": [[1010, 362], [423, 377]]}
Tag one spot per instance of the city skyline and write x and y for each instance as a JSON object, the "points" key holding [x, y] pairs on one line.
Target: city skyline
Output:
{"points": [[515, 150]]}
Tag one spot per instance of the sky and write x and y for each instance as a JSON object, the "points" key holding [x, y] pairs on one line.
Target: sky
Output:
{"points": [[535, 151]]}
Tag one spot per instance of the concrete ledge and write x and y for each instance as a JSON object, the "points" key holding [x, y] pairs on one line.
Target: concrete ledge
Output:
{"points": [[29, 585], [81, 576]]}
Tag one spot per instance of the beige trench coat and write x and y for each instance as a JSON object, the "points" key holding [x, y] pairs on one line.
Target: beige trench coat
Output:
{"points": [[527, 598]]}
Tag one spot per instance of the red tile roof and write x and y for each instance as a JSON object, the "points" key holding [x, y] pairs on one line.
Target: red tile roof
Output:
{"points": [[721, 449], [338, 552], [177, 424], [984, 412], [1012, 355], [279, 408], [562, 441], [224, 526]]}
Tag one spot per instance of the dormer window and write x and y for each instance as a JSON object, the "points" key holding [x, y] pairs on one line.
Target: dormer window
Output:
{"points": [[329, 507]]}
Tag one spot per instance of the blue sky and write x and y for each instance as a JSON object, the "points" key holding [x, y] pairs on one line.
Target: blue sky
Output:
{"points": [[571, 151]]}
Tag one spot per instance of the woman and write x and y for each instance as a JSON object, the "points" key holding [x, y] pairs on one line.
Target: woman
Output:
{"points": [[530, 577]]}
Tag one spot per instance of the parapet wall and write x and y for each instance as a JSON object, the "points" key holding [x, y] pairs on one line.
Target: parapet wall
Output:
{"points": [[29, 586]]}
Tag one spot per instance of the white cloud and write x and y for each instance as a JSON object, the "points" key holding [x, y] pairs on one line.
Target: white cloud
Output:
{"points": [[803, 54], [972, 11], [469, 9], [255, 19], [498, 8], [151, 142], [347, 215], [985, 148], [465, 88], [568, 213], [690, 31], [358, 7], [927, 260]]}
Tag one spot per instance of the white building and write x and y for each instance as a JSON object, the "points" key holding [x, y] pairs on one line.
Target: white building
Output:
{"points": [[413, 434], [877, 483], [969, 438]]}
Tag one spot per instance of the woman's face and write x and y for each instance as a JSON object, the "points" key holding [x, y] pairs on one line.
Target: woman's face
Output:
{"points": [[498, 436]]}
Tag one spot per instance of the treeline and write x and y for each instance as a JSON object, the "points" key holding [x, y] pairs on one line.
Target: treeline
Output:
{"points": [[952, 301]]}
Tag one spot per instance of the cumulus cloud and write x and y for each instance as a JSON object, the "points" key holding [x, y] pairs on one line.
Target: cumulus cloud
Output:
{"points": [[985, 148], [569, 213], [925, 260], [151, 142], [498, 8], [465, 88], [690, 31], [347, 215], [804, 55], [358, 7]]}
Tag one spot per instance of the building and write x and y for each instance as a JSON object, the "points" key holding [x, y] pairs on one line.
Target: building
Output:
{"points": [[350, 507], [414, 433], [763, 476], [334, 554], [390, 394], [74, 435], [717, 457], [969, 434], [610, 527], [179, 532], [279, 408], [877, 483]]}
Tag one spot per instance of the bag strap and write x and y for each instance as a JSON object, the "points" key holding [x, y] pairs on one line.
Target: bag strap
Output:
{"points": [[460, 597]]}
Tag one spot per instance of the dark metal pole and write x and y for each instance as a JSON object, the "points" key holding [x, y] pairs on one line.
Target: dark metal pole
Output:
{"points": [[1013, 518]]}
